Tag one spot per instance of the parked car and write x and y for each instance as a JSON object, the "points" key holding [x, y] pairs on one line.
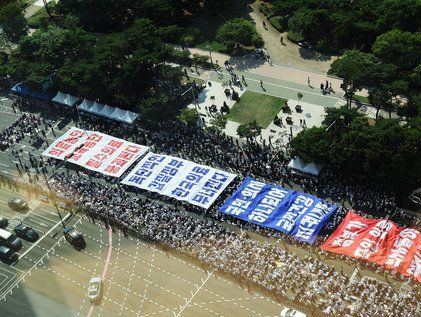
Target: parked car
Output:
{"points": [[18, 204], [3, 222], [95, 288], [74, 237], [9, 240], [26, 233], [7, 255]]}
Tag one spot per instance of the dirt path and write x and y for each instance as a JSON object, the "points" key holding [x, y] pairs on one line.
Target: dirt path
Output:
{"points": [[289, 54]]}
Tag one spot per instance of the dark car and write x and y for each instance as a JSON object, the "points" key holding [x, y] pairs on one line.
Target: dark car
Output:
{"points": [[74, 237], [7, 255], [3, 222], [9, 240], [26, 233], [17, 204]]}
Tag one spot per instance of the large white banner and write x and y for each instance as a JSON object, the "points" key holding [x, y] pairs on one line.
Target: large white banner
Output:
{"points": [[181, 179], [96, 151]]}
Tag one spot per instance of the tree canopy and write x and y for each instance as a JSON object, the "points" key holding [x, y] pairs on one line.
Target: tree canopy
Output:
{"points": [[125, 68], [12, 20], [238, 31], [114, 15], [386, 152], [334, 25]]}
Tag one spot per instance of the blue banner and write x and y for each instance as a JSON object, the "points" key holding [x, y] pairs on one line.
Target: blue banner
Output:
{"points": [[298, 214]]}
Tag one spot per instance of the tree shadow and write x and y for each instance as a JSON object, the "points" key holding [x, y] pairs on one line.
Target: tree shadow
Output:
{"points": [[246, 62], [313, 55]]}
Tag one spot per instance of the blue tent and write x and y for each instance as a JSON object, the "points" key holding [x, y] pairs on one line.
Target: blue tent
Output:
{"points": [[21, 89]]}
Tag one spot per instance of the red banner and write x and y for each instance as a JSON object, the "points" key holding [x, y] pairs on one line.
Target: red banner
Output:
{"points": [[96, 151], [380, 241]]}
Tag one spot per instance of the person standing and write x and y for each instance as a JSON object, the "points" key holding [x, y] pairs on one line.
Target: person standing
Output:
{"points": [[308, 81]]}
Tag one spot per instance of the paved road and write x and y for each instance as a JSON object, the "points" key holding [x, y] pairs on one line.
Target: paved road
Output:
{"points": [[51, 278]]}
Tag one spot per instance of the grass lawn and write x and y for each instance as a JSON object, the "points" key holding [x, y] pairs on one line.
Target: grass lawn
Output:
{"points": [[198, 81], [215, 46], [256, 106], [361, 99]]}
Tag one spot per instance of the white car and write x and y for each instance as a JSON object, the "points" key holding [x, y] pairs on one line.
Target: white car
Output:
{"points": [[95, 288], [288, 312]]}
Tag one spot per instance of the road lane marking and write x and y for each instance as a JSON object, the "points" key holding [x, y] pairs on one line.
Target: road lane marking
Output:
{"points": [[43, 217], [107, 262], [37, 222], [22, 277], [46, 234]]}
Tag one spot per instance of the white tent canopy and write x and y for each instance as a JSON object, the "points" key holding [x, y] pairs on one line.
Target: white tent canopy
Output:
{"points": [[65, 99], [107, 111], [313, 168], [308, 168], [297, 163]]}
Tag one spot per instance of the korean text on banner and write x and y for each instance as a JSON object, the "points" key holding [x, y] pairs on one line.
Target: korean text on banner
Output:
{"points": [[303, 217], [298, 214], [360, 237], [178, 178], [96, 151], [380, 241], [66, 144], [404, 253]]}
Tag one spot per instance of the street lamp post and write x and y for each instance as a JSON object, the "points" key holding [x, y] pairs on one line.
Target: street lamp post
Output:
{"points": [[194, 98], [210, 53]]}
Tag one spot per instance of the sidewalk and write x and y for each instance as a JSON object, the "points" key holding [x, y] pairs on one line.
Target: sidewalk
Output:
{"points": [[280, 72]]}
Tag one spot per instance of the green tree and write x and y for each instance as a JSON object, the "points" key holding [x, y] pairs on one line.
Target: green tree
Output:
{"points": [[378, 98], [399, 48], [343, 114], [218, 123], [385, 152], [188, 116], [44, 53], [303, 22], [216, 7], [249, 130], [236, 32], [12, 20], [356, 69], [299, 97], [311, 145], [399, 14]]}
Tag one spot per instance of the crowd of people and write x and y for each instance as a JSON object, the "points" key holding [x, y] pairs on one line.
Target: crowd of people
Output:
{"points": [[27, 123], [310, 281]]}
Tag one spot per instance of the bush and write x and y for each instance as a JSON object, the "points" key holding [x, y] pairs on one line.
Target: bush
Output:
{"points": [[39, 20], [257, 40], [189, 36], [276, 22], [181, 57], [323, 45], [295, 37], [279, 23], [264, 8]]}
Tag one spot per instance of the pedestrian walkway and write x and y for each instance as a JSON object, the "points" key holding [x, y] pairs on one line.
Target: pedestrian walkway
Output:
{"points": [[293, 76]]}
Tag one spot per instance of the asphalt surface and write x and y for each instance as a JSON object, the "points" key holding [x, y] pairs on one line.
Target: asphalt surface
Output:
{"points": [[51, 277]]}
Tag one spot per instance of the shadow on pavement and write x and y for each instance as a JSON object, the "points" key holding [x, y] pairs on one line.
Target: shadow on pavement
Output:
{"points": [[313, 55], [246, 62]]}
